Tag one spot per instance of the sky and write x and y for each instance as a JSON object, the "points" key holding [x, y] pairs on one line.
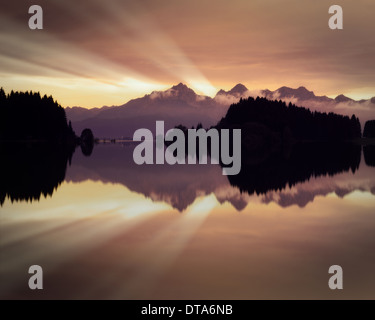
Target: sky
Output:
{"points": [[92, 53]]}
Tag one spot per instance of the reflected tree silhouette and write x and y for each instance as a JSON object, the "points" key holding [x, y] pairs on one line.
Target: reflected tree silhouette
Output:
{"points": [[29, 171], [305, 160], [369, 155], [87, 142]]}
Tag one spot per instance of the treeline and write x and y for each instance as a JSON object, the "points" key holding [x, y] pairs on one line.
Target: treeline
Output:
{"points": [[284, 119], [369, 130], [28, 116]]}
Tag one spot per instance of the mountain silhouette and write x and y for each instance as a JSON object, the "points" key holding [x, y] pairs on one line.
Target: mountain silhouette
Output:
{"points": [[239, 91], [342, 98], [181, 105], [172, 106], [183, 92], [301, 94]]}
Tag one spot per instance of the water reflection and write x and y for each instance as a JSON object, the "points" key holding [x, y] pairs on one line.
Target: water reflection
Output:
{"points": [[30, 170], [180, 185], [304, 161], [287, 178], [97, 239], [369, 153]]}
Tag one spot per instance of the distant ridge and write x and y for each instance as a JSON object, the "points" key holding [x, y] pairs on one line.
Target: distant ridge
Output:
{"points": [[181, 104], [238, 91]]}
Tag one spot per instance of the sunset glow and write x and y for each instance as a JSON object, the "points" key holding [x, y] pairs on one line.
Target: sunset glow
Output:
{"points": [[95, 53], [187, 150]]}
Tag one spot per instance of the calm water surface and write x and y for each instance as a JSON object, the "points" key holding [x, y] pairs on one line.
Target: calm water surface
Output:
{"points": [[110, 229]]}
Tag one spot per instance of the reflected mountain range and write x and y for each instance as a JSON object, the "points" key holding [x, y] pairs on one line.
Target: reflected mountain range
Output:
{"points": [[288, 178]]}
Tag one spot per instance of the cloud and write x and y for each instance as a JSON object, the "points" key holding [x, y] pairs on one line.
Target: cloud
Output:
{"points": [[210, 43], [226, 100]]}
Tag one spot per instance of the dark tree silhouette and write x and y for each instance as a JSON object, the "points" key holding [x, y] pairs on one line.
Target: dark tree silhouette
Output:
{"points": [[305, 160], [87, 142], [285, 144], [87, 136], [369, 155], [33, 170], [369, 130], [271, 126], [301, 123], [36, 145], [28, 116]]}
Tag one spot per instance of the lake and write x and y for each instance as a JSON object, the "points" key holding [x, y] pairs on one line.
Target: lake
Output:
{"points": [[102, 227]]}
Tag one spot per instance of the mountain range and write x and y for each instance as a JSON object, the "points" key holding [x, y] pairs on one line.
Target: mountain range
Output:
{"points": [[181, 105]]}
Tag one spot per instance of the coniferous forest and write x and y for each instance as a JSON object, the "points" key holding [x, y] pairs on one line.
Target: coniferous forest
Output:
{"points": [[28, 116], [285, 144], [299, 122], [37, 144], [369, 129]]}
